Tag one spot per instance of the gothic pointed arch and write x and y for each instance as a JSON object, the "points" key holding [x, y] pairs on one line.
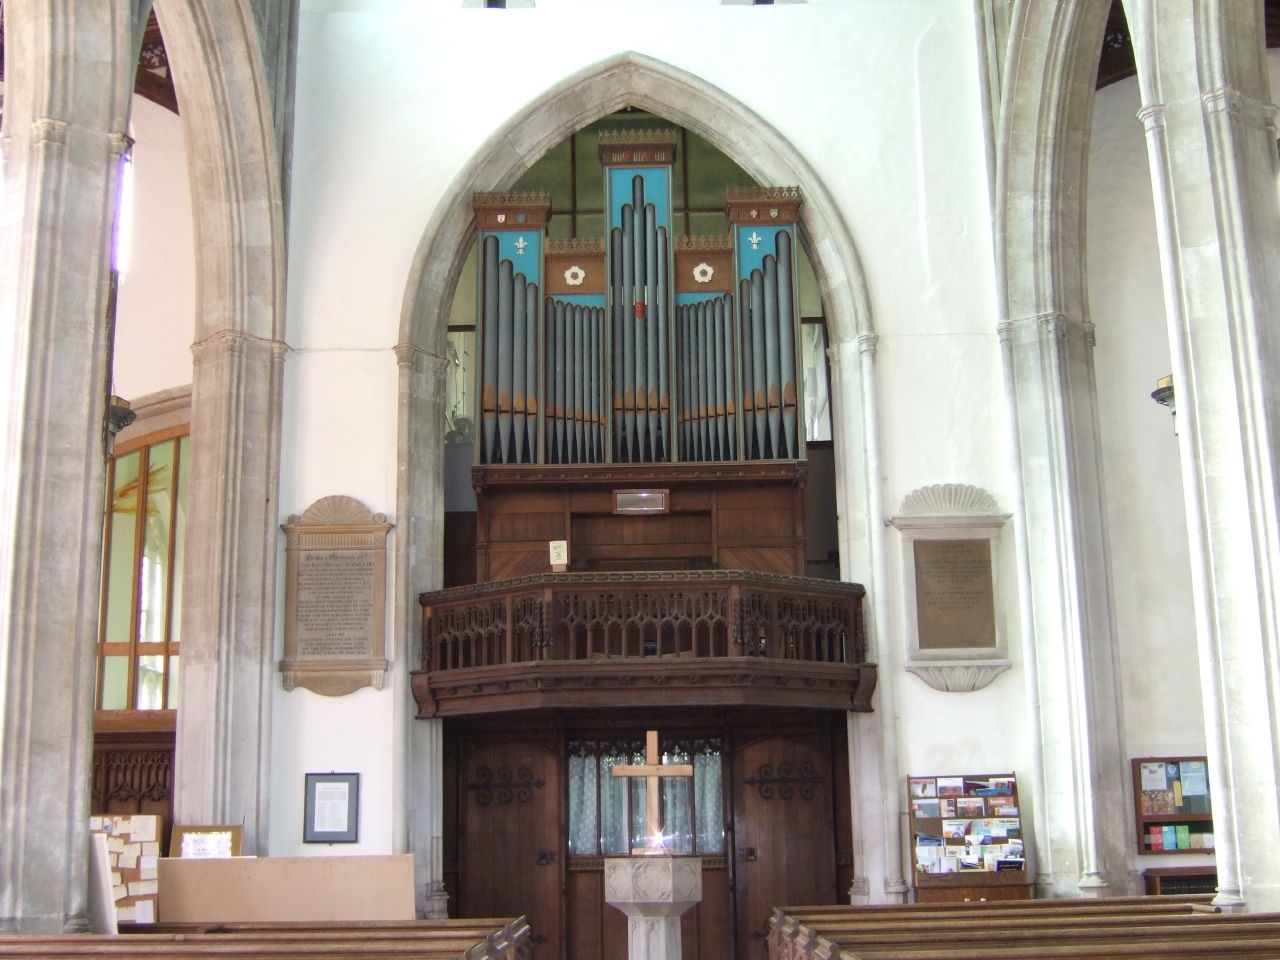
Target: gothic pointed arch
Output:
{"points": [[1047, 341], [222, 79], [627, 80]]}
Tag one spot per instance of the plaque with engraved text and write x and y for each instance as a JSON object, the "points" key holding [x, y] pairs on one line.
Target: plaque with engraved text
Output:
{"points": [[335, 595], [955, 603]]}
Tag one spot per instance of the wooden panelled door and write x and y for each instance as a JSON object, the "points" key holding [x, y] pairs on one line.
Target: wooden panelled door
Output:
{"points": [[783, 832], [511, 848]]}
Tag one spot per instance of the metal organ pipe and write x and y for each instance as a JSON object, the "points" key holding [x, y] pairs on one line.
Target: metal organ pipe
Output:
{"points": [[704, 380], [519, 347], [664, 359], [506, 282], [726, 352], [786, 333], [759, 381], [579, 387], [559, 383], [717, 360], [650, 332], [531, 369], [626, 335], [618, 306], [489, 390], [772, 359]]}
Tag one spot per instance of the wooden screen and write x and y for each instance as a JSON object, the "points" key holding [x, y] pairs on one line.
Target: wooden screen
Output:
{"points": [[750, 517]]}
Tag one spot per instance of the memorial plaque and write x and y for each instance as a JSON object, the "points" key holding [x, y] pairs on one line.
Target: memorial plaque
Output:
{"points": [[955, 600], [335, 596]]}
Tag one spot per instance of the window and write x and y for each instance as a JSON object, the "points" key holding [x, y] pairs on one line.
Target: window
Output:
{"points": [[143, 543], [607, 813]]}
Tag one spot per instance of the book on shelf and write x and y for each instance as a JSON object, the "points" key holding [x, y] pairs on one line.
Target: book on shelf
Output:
{"points": [[1183, 832]]}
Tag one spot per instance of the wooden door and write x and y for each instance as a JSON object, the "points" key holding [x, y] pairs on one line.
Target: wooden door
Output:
{"points": [[511, 856], [784, 833]]}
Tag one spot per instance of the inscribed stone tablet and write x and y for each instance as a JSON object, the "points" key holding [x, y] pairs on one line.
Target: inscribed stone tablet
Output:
{"points": [[955, 603], [334, 604], [335, 598]]}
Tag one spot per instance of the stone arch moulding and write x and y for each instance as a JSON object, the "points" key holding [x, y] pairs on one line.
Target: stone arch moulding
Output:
{"points": [[628, 79], [949, 530]]}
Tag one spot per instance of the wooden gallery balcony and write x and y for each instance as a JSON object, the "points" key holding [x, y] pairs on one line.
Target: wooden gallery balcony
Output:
{"points": [[690, 637]]}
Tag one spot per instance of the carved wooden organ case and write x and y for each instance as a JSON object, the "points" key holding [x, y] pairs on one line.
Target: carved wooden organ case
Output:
{"points": [[635, 347]]}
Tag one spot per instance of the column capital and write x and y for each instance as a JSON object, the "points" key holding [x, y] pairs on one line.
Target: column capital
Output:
{"points": [[120, 144], [1228, 99], [234, 342], [1052, 324], [1154, 116], [408, 354], [49, 130]]}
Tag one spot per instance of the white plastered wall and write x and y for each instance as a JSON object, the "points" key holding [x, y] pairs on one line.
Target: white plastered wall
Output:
{"points": [[393, 102], [155, 312]]}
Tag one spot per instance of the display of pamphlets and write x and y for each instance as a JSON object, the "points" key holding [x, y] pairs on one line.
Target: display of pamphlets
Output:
{"points": [[965, 824], [1173, 810]]}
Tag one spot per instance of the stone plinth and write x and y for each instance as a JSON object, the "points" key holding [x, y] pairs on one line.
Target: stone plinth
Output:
{"points": [[653, 892]]}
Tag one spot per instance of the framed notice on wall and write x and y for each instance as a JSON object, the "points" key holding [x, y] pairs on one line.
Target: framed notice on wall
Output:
{"points": [[332, 810]]}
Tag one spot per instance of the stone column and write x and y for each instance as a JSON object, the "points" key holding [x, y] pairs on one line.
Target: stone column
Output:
{"points": [[66, 111], [873, 737], [419, 567], [654, 892], [1082, 834], [228, 666], [1211, 137]]}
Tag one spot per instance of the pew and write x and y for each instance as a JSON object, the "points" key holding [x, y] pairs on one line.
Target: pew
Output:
{"points": [[489, 939], [1131, 928]]}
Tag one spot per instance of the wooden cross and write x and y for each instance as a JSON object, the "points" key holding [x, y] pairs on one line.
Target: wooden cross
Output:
{"points": [[653, 770]]}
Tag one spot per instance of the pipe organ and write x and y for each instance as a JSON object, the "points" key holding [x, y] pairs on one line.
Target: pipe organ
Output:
{"points": [[641, 346]]}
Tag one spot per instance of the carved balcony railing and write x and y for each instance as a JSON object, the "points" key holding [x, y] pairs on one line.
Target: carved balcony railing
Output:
{"points": [[593, 639]]}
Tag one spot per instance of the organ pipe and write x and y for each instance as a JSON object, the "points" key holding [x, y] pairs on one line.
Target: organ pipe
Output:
{"points": [[786, 329], [619, 371], [703, 394], [489, 387], [519, 331]]}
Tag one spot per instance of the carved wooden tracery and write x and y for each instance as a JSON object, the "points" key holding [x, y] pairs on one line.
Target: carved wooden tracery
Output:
{"points": [[708, 636]]}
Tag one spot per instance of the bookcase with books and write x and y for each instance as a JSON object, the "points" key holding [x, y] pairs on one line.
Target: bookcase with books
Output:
{"points": [[966, 838], [1173, 809]]}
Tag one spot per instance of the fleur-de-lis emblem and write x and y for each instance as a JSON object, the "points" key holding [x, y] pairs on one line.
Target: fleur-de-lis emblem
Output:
{"points": [[520, 245], [755, 239]]}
